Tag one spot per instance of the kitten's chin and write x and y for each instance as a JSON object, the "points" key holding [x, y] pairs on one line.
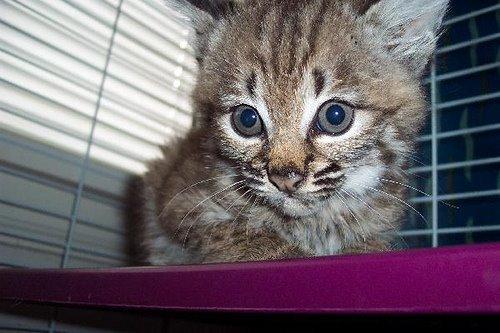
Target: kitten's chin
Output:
{"points": [[295, 208]]}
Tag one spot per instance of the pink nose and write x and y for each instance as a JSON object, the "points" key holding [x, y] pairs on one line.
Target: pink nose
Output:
{"points": [[286, 183]]}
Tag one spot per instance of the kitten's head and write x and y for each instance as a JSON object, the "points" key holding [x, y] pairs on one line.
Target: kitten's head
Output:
{"points": [[312, 99]]}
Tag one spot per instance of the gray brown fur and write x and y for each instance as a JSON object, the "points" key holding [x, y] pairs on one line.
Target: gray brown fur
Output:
{"points": [[285, 56]]}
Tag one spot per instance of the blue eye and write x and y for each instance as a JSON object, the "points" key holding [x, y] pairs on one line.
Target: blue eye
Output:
{"points": [[334, 118], [248, 117], [335, 114], [246, 120]]}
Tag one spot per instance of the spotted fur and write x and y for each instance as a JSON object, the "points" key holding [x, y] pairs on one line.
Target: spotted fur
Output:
{"points": [[210, 198]]}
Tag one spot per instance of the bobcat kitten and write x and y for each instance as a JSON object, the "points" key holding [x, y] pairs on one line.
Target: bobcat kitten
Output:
{"points": [[305, 116]]}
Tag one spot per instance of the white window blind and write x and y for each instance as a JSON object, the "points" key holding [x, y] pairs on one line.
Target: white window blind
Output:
{"points": [[52, 63], [88, 91]]}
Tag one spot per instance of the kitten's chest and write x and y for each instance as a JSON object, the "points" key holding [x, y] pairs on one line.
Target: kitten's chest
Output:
{"points": [[317, 238]]}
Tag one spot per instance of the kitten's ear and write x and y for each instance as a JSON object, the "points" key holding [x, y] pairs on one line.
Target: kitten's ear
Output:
{"points": [[204, 16], [410, 28], [208, 9]]}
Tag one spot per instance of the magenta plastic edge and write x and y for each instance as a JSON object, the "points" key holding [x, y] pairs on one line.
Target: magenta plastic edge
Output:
{"points": [[463, 279]]}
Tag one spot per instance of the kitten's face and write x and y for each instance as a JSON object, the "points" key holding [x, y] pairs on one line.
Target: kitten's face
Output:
{"points": [[305, 99]]}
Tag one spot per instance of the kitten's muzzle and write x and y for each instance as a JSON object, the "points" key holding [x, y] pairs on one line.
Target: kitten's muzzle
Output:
{"points": [[288, 181]]}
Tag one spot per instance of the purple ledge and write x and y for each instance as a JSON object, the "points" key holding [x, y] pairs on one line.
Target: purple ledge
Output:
{"points": [[463, 279]]}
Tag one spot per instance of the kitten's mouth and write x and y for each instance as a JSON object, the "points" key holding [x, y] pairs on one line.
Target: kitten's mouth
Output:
{"points": [[292, 205], [288, 203], [296, 208]]}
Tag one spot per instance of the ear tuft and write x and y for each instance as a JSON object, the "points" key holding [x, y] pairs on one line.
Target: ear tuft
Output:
{"points": [[410, 28], [215, 8], [204, 16]]}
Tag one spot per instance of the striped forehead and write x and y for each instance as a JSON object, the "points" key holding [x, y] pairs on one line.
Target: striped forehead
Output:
{"points": [[284, 79], [283, 103], [277, 73]]}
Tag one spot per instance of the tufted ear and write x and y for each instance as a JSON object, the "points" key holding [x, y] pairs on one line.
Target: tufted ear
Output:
{"points": [[216, 9], [204, 16], [409, 28]]}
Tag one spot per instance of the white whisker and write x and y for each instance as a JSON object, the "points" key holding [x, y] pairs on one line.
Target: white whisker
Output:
{"points": [[206, 199], [241, 210], [405, 185], [227, 209], [247, 224], [416, 190], [398, 199], [189, 187], [363, 235], [373, 210], [235, 190], [238, 198], [412, 157], [188, 230], [363, 202]]}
